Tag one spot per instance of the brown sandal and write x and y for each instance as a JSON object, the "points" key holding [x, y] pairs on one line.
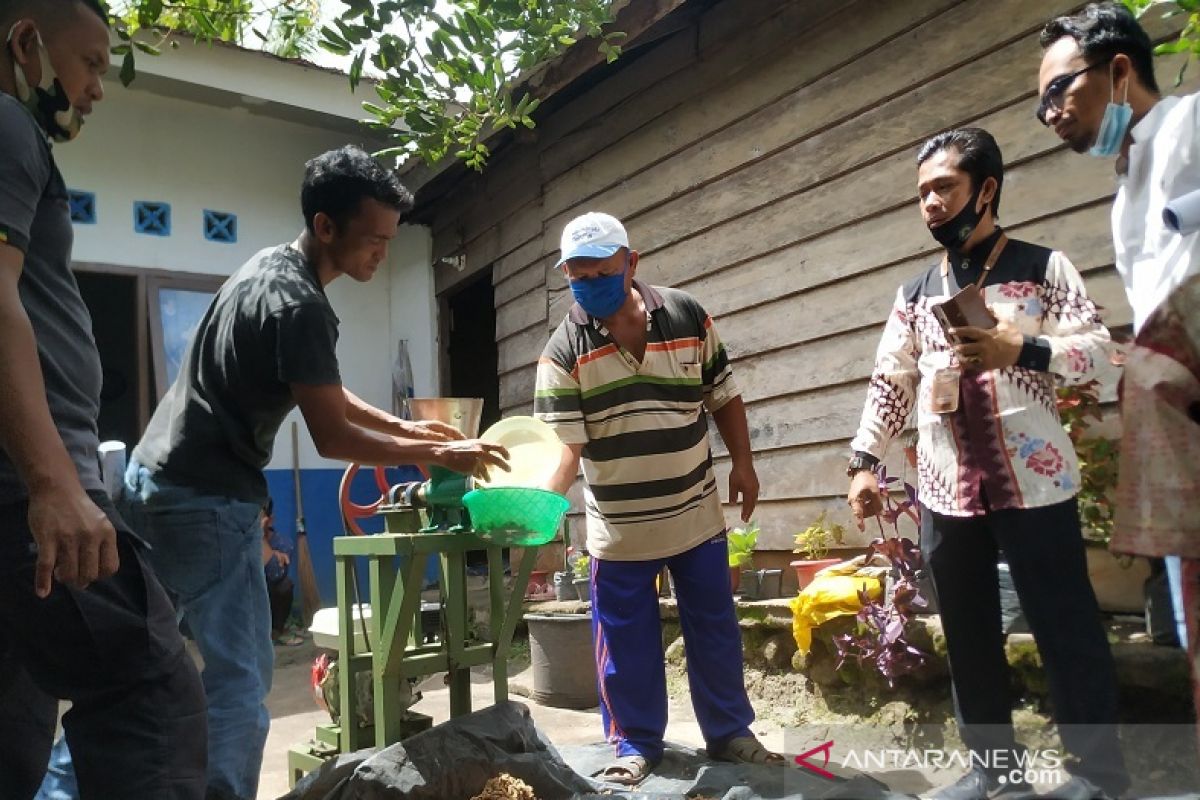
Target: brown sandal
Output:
{"points": [[746, 750], [625, 771]]}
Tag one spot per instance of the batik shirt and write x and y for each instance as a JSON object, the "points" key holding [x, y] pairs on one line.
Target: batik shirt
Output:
{"points": [[1005, 447]]}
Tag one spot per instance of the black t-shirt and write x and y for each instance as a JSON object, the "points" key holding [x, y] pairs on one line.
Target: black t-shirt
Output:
{"points": [[271, 325], [35, 219]]}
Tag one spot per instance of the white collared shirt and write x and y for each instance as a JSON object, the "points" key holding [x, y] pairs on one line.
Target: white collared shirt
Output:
{"points": [[1164, 164]]}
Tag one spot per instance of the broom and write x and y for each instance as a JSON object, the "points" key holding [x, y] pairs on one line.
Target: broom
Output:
{"points": [[310, 595]]}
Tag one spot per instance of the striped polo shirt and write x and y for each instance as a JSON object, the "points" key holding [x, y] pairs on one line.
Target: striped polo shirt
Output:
{"points": [[649, 488]]}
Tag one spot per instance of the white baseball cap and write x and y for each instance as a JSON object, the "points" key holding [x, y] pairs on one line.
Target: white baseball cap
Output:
{"points": [[593, 235]]}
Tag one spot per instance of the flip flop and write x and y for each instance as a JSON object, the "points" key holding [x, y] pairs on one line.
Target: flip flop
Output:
{"points": [[287, 640], [625, 771], [746, 750]]}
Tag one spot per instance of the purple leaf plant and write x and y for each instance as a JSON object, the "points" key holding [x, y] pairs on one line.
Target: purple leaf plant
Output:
{"points": [[878, 640]]}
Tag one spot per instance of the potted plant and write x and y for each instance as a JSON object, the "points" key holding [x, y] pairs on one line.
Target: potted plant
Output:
{"points": [[581, 568], [538, 588], [879, 640], [813, 543], [741, 542], [564, 587], [1117, 580]]}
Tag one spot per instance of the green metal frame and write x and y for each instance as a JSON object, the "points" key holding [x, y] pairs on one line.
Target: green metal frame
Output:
{"points": [[394, 652], [396, 566]]}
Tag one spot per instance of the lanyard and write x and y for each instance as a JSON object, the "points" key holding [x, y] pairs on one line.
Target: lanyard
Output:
{"points": [[987, 265]]}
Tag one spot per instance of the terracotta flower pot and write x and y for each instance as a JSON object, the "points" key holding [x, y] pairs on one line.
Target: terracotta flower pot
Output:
{"points": [[806, 570], [538, 587]]}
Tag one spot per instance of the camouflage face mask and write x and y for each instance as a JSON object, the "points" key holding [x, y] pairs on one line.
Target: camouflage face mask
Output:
{"points": [[48, 101]]}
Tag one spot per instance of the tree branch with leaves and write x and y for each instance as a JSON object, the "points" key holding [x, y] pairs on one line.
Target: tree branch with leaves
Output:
{"points": [[444, 73], [1188, 40], [447, 78]]}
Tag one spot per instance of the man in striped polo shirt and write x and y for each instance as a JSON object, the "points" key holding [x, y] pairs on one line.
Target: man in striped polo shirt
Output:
{"points": [[625, 381]]}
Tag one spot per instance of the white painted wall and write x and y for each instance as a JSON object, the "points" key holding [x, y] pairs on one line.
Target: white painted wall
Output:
{"points": [[414, 305], [139, 146], [142, 146], [260, 76]]}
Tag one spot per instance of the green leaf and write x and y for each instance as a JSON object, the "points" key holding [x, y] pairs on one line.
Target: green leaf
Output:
{"points": [[473, 27], [334, 43], [356, 68], [149, 12], [128, 69], [207, 27], [1169, 48]]}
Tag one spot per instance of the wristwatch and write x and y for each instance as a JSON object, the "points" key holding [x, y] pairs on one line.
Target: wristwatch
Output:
{"points": [[860, 462]]}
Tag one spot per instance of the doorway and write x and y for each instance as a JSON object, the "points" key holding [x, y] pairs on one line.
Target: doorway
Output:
{"points": [[139, 350], [470, 328], [471, 345], [112, 300]]}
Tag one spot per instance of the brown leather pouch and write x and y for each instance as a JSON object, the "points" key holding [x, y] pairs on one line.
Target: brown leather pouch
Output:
{"points": [[967, 308]]}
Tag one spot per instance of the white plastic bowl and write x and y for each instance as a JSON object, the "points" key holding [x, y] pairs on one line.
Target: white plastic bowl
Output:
{"points": [[534, 451], [324, 628]]}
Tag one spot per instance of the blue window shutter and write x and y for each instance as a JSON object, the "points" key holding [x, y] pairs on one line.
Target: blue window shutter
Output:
{"points": [[152, 219], [220, 226], [83, 207]]}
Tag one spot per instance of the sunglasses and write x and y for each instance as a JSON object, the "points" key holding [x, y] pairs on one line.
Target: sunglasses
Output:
{"points": [[1056, 90]]}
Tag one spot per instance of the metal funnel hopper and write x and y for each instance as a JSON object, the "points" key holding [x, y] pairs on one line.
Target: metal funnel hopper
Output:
{"points": [[463, 413]]}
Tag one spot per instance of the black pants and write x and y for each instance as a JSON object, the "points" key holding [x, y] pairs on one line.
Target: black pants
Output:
{"points": [[281, 593], [137, 727], [1044, 550]]}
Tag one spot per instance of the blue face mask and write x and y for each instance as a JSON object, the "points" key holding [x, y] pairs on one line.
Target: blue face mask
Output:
{"points": [[600, 297], [1113, 127]]}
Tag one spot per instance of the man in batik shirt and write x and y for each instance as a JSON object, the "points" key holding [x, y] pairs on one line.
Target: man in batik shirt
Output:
{"points": [[997, 473]]}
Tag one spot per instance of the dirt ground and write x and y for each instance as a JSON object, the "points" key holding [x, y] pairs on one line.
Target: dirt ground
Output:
{"points": [[793, 716]]}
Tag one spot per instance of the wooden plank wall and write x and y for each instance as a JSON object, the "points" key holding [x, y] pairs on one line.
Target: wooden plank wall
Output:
{"points": [[763, 158]]}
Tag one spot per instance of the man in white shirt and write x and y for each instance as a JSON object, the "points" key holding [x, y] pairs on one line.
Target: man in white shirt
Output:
{"points": [[1099, 58], [1099, 94]]}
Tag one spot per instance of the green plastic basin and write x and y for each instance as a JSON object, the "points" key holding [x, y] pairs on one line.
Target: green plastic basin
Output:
{"points": [[515, 516]]}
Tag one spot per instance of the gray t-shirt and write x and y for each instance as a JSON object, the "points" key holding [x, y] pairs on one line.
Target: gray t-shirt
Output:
{"points": [[269, 326], [36, 219]]}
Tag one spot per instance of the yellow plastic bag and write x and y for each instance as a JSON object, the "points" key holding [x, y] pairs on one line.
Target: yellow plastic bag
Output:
{"points": [[829, 596]]}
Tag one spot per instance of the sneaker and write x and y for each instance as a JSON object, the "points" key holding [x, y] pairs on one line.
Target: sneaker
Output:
{"points": [[1078, 788], [979, 785]]}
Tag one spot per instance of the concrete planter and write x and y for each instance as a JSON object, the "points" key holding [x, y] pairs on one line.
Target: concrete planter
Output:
{"points": [[564, 666]]}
